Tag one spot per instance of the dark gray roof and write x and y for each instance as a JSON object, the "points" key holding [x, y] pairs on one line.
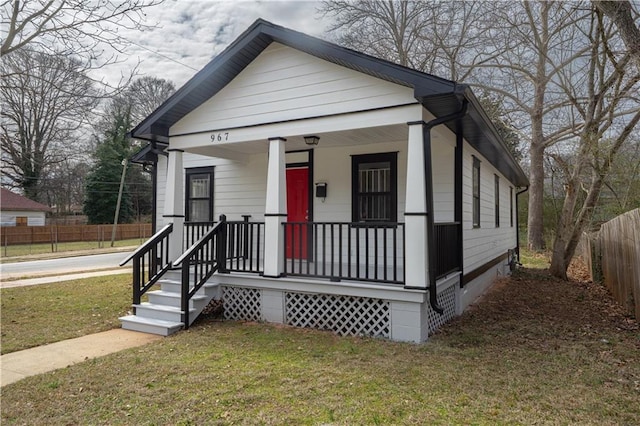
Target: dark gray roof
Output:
{"points": [[148, 154], [436, 94]]}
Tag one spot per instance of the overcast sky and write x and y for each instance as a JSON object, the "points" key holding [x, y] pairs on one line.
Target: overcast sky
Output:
{"points": [[189, 33]]}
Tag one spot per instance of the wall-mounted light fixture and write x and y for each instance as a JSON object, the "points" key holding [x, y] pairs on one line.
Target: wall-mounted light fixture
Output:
{"points": [[311, 140]]}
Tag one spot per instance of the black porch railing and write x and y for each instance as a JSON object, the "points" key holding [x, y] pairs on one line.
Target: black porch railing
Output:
{"points": [[245, 246], [150, 262], [447, 248], [362, 251], [193, 231], [200, 262]]}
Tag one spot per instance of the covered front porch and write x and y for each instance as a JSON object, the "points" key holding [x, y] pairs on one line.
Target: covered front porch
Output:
{"points": [[292, 254]]}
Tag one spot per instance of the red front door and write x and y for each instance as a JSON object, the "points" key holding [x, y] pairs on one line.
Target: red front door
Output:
{"points": [[297, 212]]}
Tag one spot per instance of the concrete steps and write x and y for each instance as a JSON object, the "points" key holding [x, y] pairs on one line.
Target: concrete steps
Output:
{"points": [[162, 314]]}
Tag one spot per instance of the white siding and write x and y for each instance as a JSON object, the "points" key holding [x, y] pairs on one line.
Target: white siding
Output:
{"points": [[443, 164], [8, 218], [487, 242], [238, 189], [333, 166], [285, 84]]}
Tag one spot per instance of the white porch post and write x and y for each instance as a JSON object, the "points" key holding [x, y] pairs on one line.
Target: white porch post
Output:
{"points": [[174, 202], [275, 209], [416, 250]]}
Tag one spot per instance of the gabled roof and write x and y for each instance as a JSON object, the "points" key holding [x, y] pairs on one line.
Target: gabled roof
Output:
{"points": [[10, 201], [438, 95]]}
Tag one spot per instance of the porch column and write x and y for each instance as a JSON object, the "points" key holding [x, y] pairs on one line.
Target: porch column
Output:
{"points": [[275, 209], [174, 202], [416, 227]]}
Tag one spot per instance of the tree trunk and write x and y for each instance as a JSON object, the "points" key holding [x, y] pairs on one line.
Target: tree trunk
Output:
{"points": [[535, 224], [563, 232], [569, 231]]}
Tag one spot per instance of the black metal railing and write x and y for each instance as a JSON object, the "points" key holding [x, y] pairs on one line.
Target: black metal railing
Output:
{"points": [[200, 262], [150, 261], [363, 251], [245, 246], [447, 248], [193, 231]]}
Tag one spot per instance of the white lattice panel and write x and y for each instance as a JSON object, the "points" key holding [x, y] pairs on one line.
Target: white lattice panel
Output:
{"points": [[345, 315], [447, 301], [242, 304]]}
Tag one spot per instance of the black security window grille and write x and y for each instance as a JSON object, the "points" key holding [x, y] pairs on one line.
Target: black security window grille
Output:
{"points": [[374, 188]]}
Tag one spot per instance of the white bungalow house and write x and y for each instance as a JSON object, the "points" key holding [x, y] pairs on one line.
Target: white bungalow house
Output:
{"points": [[308, 184], [16, 210]]}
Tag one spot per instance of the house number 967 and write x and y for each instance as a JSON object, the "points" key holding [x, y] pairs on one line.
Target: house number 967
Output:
{"points": [[219, 137]]}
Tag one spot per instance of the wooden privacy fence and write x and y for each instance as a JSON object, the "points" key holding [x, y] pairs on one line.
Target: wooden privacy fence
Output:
{"points": [[613, 254], [15, 235]]}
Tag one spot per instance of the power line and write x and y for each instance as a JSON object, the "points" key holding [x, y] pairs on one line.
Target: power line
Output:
{"points": [[163, 55]]}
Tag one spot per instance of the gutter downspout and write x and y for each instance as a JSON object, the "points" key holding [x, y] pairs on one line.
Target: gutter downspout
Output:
{"points": [[526, 188], [428, 176]]}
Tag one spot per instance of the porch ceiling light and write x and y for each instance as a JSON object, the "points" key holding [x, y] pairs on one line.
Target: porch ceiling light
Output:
{"points": [[311, 140]]}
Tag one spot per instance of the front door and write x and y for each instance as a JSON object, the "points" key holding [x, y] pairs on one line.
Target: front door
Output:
{"points": [[297, 211]]}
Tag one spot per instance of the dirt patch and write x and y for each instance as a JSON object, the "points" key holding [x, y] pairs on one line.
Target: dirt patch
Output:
{"points": [[543, 311]]}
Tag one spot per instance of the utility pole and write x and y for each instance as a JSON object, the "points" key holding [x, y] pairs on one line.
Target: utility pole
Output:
{"points": [[115, 219]]}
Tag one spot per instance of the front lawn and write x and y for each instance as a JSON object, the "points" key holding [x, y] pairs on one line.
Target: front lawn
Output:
{"points": [[37, 315], [535, 351]]}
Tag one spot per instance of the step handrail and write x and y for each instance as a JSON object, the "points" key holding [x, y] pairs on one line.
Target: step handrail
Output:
{"points": [[150, 262], [167, 229], [207, 256]]}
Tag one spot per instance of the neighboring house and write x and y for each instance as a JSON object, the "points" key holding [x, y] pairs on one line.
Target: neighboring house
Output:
{"points": [[17, 210], [360, 196]]}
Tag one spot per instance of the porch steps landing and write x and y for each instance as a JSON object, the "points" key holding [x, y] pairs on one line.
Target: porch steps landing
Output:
{"points": [[162, 314]]}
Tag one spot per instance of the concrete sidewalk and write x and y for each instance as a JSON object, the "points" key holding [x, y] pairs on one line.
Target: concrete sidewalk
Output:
{"points": [[29, 362], [65, 277]]}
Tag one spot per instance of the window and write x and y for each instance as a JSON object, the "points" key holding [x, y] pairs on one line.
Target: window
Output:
{"points": [[511, 205], [374, 187], [496, 180], [199, 196], [22, 221], [476, 192]]}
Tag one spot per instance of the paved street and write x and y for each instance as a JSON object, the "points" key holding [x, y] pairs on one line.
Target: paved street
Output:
{"points": [[66, 265]]}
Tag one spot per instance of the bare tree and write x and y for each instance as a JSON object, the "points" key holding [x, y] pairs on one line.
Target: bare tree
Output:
{"points": [[542, 40], [606, 111], [443, 38], [622, 191], [513, 52], [146, 94], [625, 18], [74, 27], [63, 185], [45, 100], [135, 101]]}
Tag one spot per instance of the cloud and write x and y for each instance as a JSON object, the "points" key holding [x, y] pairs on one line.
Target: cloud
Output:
{"points": [[188, 34]]}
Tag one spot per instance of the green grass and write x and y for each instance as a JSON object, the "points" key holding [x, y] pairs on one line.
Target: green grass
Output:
{"points": [[30, 249], [47, 313], [230, 373], [533, 352], [534, 259]]}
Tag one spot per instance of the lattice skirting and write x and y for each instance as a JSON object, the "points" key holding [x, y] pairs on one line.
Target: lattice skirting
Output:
{"points": [[345, 315], [447, 300], [242, 304]]}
